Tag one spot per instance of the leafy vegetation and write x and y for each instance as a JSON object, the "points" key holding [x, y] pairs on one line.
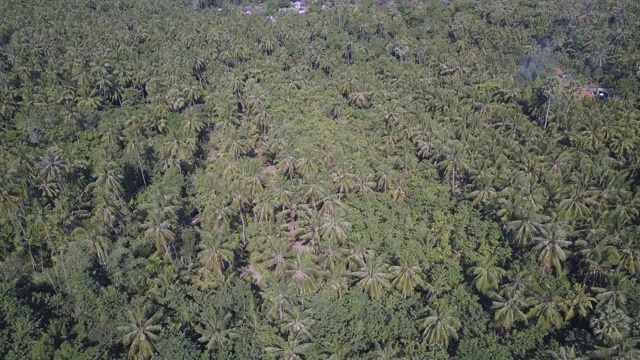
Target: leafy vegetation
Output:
{"points": [[366, 181]]}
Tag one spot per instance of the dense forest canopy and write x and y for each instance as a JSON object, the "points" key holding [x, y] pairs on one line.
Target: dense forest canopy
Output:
{"points": [[400, 180]]}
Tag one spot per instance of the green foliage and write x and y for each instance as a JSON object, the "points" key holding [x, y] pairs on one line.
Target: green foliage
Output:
{"points": [[176, 346], [410, 176]]}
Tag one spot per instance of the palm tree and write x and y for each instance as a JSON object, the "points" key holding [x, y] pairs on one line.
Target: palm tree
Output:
{"points": [[453, 162], [610, 324], [97, 241], [400, 50], [335, 230], [580, 301], [217, 251], [338, 350], [275, 255], [141, 334], [214, 330], [625, 349], [309, 230], [407, 278], [88, 99], [565, 353], [622, 214], [313, 191], [235, 143], [136, 146], [108, 178], [552, 245], [487, 276], [302, 276], [53, 166], [389, 352], [161, 235], [335, 111], [629, 258], [546, 305], [508, 306], [297, 323], [292, 349], [373, 277], [360, 99], [41, 217], [286, 165], [338, 279], [305, 166], [439, 327], [344, 181], [276, 293], [10, 199], [240, 203], [482, 195], [219, 216], [526, 223], [614, 293]]}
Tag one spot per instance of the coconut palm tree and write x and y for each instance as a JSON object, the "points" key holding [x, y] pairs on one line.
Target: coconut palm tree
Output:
{"points": [[546, 302], [264, 206], [527, 223], [141, 333], [302, 276], [338, 350], [335, 230], [136, 145], [614, 293], [277, 296], [565, 353], [452, 162], [344, 181], [216, 251], [214, 330], [579, 301], [624, 349], [159, 231], [552, 246], [93, 235], [407, 278], [439, 326], [286, 165], [508, 306], [487, 276], [360, 99], [297, 323], [291, 349], [53, 165], [338, 278], [373, 277], [610, 324]]}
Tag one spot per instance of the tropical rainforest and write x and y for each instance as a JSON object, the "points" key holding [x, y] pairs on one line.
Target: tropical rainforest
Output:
{"points": [[399, 180]]}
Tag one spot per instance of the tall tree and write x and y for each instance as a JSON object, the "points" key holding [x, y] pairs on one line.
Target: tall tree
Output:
{"points": [[141, 333], [439, 326]]}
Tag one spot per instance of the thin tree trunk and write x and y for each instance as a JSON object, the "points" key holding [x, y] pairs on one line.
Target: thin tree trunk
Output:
{"points": [[453, 178], [56, 252], [244, 231], [168, 252], [546, 118], [141, 170], [64, 268], [15, 228]]}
